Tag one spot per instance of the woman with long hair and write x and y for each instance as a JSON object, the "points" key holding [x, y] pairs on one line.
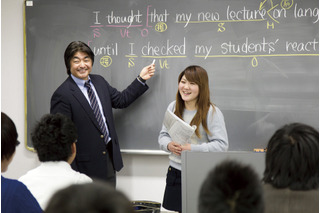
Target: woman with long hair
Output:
{"points": [[193, 106]]}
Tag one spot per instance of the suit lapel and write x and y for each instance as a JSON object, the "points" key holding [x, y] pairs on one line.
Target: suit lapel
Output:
{"points": [[77, 93]]}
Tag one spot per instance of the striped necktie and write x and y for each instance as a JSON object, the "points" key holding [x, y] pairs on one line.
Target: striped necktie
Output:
{"points": [[96, 110]]}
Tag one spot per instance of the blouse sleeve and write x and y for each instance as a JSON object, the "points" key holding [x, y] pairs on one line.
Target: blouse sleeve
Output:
{"points": [[164, 138], [218, 139]]}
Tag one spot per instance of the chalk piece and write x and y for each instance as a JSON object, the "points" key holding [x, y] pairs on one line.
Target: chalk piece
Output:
{"points": [[259, 150], [29, 3], [154, 60]]}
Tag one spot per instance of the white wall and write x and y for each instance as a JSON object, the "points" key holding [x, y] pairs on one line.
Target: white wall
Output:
{"points": [[143, 176]]}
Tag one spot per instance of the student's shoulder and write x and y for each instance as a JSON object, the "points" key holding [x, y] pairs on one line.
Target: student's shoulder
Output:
{"points": [[81, 178], [6, 182], [213, 108], [215, 113], [172, 106], [13, 185]]}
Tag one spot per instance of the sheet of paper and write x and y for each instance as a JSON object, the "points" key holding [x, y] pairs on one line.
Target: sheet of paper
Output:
{"points": [[179, 130]]}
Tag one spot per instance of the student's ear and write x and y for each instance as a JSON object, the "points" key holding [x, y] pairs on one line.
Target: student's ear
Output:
{"points": [[73, 148], [73, 153]]}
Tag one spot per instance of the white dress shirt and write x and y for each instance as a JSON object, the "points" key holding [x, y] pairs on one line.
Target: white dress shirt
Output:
{"points": [[50, 177]]}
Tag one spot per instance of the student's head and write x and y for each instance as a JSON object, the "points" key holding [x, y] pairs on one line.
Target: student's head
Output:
{"points": [[292, 159], [231, 187], [193, 87], [79, 59], [93, 197], [9, 141], [54, 138]]}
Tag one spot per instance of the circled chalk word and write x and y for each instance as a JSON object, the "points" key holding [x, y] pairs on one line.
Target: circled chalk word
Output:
{"points": [[161, 27], [106, 61]]}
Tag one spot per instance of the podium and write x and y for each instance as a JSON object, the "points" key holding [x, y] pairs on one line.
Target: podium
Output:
{"points": [[196, 166]]}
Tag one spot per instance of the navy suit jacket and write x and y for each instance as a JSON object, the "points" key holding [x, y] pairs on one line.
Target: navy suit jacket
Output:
{"points": [[91, 157]]}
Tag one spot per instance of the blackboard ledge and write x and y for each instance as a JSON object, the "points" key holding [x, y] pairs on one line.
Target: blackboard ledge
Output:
{"points": [[144, 152]]}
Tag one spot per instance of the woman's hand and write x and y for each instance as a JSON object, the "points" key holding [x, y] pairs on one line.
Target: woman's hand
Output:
{"points": [[175, 148], [186, 147]]}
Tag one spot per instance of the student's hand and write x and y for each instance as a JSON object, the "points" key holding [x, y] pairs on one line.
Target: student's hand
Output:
{"points": [[147, 72], [175, 148], [186, 147]]}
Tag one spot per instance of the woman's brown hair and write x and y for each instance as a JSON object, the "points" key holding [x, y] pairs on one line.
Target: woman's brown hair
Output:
{"points": [[198, 75]]}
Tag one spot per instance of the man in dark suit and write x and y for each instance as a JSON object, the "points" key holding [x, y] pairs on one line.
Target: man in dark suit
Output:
{"points": [[98, 150]]}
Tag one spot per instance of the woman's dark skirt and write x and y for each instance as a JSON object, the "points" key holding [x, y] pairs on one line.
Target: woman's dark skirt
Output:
{"points": [[172, 195]]}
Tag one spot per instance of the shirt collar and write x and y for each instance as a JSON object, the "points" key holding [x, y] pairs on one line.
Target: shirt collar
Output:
{"points": [[79, 81], [61, 163]]}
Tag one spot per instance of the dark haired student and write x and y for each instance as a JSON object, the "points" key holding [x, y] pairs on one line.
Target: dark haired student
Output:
{"points": [[231, 187], [291, 175], [54, 139], [88, 100], [15, 196]]}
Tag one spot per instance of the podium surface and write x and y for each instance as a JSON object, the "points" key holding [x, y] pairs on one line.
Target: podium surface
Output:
{"points": [[196, 166]]}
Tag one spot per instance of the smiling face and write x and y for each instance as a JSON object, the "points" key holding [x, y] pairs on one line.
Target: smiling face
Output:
{"points": [[189, 91], [81, 65]]}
